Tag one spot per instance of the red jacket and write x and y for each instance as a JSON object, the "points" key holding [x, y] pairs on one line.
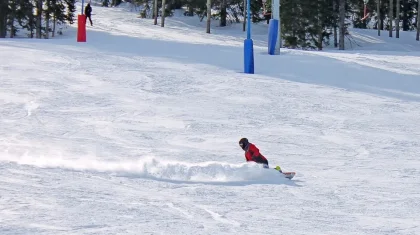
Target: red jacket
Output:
{"points": [[252, 153]]}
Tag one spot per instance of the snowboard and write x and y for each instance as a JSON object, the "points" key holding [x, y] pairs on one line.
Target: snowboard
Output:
{"points": [[288, 175]]}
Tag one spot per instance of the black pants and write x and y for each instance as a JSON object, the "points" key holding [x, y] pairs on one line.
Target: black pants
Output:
{"points": [[260, 160], [88, 16]]}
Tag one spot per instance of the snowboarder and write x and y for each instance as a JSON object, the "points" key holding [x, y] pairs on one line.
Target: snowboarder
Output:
{"points": [[252, 153], [88, 12]]}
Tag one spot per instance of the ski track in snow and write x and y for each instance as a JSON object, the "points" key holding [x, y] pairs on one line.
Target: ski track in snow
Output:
{"points": [[135, 132]]}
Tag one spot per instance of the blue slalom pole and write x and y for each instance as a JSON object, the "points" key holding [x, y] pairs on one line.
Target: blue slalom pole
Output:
{"points": [[248, 44], [272, 36]]}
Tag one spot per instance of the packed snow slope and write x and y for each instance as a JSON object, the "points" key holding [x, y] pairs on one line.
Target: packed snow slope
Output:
{"points": [[136, 132]]}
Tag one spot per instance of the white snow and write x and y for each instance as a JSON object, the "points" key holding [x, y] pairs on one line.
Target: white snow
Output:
{"points": [[136, 132]]}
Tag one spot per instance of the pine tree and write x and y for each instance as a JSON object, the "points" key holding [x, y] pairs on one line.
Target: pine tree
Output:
{"points": [[25, 16], [408, 15], [71, 9], [307, 23], [116, 2], [321, 15], [256, 6], [12, 17], [292, 23]]}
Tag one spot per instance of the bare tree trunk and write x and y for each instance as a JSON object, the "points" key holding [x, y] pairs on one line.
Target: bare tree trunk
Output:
{"points": [[4, 5], [208, 16], [335, 37], [335, 25], [378, 11], [342, 27], [391, 17], [397, 21], [294, 26], [38, 18], [320, 37], [405, 19], [54, 17], [162, 23], [47, 20], [320, 28], [155, 12], [12, 28], [32, 25], [244, 26], [54, 23], [223, 13], [418, 22], [3, 26], [12, 21]]}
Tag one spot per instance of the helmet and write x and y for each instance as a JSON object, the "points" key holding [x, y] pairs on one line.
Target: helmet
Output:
{"points": [[243, 143]]}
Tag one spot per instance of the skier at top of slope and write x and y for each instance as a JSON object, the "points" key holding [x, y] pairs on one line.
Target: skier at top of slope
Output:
{"points": [[88, 13], [252, 153]]}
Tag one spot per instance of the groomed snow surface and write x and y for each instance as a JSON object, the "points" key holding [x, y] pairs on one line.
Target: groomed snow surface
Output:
{"points": [[136, 132]]}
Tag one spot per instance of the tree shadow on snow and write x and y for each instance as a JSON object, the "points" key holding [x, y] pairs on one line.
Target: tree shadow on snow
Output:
{"points": [[345, 72], [348, 72]]}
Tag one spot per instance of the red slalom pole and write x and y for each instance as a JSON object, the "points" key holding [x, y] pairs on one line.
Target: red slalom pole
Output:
{"points": [[81, 28]]}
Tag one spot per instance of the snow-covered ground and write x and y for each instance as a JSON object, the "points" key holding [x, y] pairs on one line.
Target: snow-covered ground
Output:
{"points": [[136, 132]]}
